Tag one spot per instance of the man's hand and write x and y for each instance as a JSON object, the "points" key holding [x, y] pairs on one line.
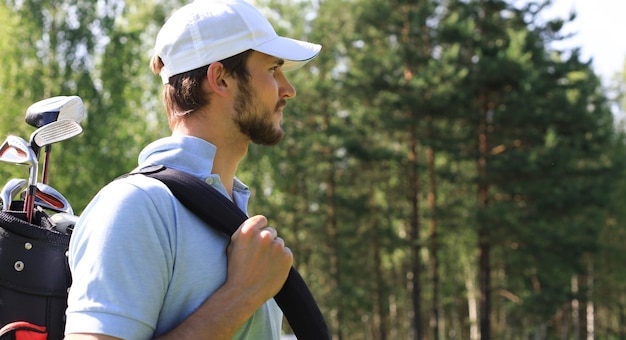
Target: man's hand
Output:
{"points": [[258, 260]]}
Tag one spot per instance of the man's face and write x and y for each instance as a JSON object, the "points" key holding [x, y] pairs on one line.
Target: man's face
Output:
{"points": [[259, 102]]}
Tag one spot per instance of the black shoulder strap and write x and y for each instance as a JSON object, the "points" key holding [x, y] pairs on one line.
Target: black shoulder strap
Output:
{"points": [[197, 196], [294, 299]]}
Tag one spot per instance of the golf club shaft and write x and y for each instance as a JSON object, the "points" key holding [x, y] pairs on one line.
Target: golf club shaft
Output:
{"points": [[29, 202], [44, 176]]}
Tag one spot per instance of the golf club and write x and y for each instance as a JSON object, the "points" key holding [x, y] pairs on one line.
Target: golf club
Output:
{"points": [[10, 189], [11, 153], [50, 110], [56, 108], [49, 198], [64, 222], [17, 151], [53, 132]]}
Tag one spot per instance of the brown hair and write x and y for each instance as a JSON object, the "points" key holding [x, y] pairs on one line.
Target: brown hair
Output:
{"points": [[183, 95]]}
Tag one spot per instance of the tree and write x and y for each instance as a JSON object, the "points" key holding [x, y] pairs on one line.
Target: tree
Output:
{"points": [[98, 52], [442, 165], [533, 114]]}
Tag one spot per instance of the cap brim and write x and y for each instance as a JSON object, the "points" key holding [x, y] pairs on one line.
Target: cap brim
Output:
{"points": [[296, 53]]}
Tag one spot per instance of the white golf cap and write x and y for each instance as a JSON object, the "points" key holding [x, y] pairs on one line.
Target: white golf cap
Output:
{"points": [[207, 31]]}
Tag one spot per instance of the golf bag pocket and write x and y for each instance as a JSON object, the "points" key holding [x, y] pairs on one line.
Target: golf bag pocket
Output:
{"points": [[34, 274], [22, 330]]}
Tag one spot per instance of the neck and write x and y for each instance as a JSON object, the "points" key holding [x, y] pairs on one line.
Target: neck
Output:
{"points": [[231, 145], [226, 162]]}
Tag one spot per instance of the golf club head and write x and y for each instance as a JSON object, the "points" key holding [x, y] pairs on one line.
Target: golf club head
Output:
{"points": [[53, 109], [64, 222], [49, 198], [54, 132], [16, 150], [10, 189]]}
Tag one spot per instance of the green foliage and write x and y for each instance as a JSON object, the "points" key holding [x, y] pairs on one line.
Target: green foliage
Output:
{"points": [[100, 52], [473, 82]]}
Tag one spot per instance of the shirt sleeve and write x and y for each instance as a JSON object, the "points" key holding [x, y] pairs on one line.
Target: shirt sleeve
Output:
{"points": [[121, 257]]}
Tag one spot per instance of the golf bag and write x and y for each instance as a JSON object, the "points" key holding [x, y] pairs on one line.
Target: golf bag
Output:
{"points": [[34, 271], [34, 277]]}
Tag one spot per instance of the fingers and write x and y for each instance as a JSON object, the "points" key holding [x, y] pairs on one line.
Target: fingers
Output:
{"points": [[270, 235], [269, 232], [285, 249], [254, 224], [258, 225], [258, 258]]}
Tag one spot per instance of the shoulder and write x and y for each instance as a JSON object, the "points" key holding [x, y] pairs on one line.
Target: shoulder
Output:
{"points": [[130, 205], [136, 184], [133, 191]]}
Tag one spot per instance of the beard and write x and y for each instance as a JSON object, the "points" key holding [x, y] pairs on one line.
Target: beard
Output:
{"points": [[254, 121]]}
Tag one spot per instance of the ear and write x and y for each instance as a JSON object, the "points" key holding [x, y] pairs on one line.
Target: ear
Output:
{"points": [[219, 82]]}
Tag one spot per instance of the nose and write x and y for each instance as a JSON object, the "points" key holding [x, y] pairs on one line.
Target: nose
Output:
{"points": [[286, 90]]}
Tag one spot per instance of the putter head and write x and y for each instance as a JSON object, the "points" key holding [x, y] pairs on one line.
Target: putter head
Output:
{"points": [[53, 109], [54, 132]]}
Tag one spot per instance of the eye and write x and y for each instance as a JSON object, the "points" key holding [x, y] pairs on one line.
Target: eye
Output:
{"points": [[277, 65]]}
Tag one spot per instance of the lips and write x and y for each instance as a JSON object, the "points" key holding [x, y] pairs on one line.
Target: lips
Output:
{"points": [[280, 106]]}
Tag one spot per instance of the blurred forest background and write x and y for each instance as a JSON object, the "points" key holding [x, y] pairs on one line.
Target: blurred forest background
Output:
{"points": [[446, 174]]}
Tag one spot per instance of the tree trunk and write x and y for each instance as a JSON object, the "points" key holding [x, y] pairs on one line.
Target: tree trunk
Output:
{"points": [[472, 303], [414, 233], [485, 288], [381, 296], [622, 322], [484, 246], [432, 206], [575, 308], [591, 331], [333, 232]]}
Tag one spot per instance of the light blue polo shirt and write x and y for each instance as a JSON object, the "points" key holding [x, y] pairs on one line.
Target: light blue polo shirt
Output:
{"points": [[142, 263]]}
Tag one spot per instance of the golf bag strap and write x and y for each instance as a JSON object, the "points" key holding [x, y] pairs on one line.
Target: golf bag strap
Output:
{"points": [[294, 299]]}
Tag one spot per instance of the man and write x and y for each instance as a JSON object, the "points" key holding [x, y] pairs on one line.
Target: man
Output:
{"points": [[143, 265]]}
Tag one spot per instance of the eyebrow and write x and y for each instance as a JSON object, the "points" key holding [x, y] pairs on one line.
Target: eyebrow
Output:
{"points": [[279, 61]]}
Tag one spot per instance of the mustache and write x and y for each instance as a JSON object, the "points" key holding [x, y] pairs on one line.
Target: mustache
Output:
{"points": [[281, 104]]}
